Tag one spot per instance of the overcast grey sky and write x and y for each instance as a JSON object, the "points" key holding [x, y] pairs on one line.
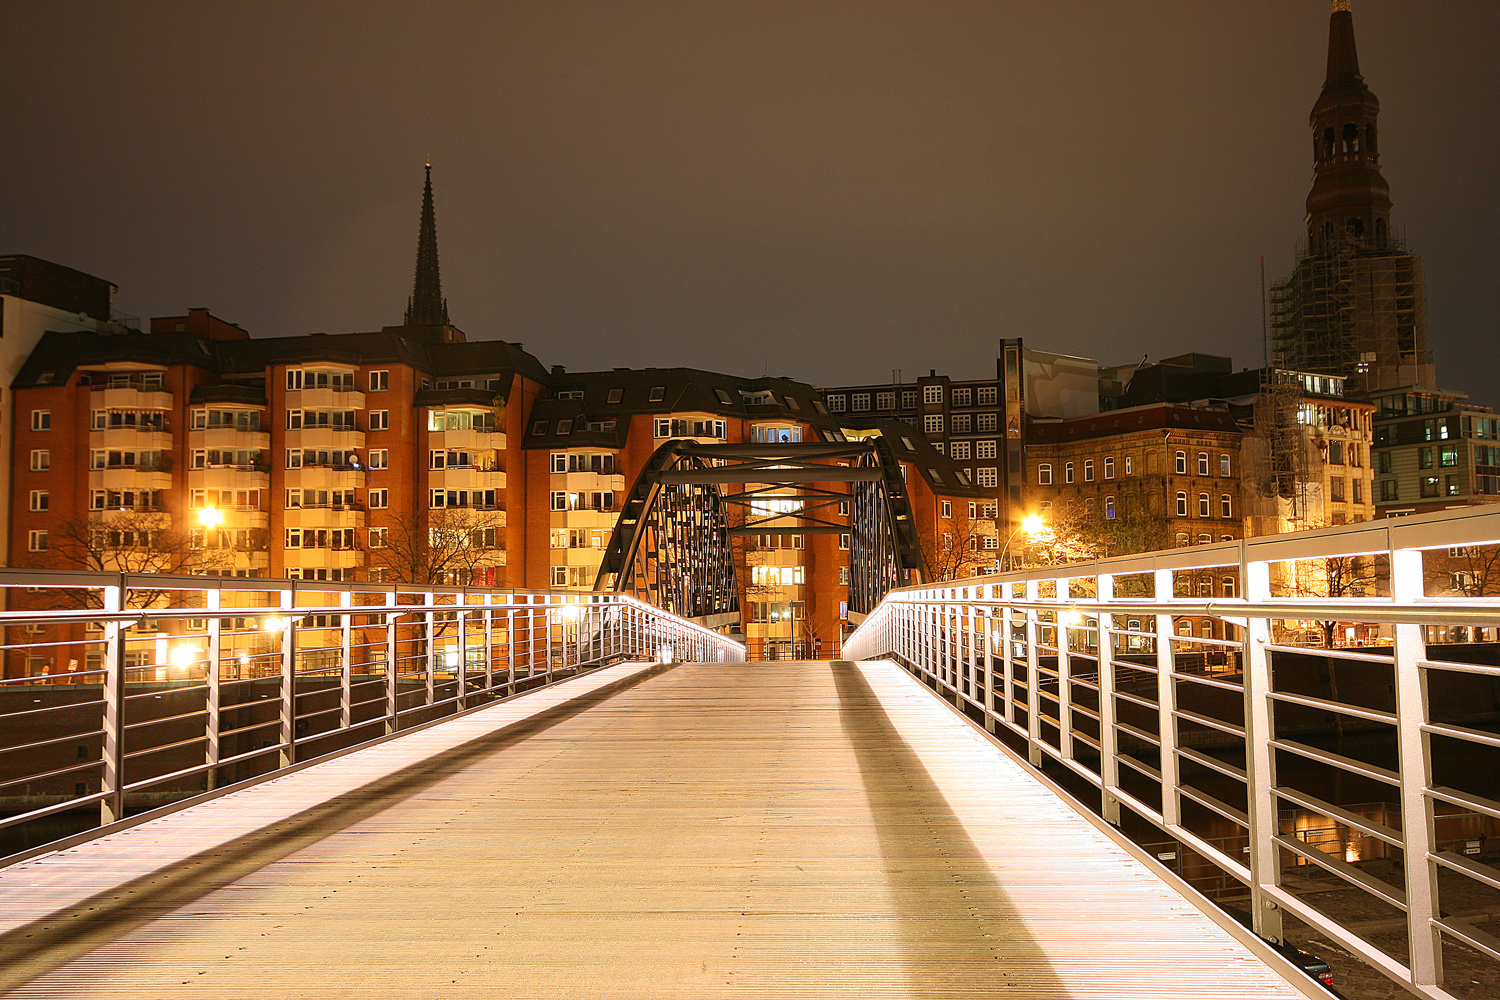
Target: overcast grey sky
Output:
{"points": [[824, 190]]}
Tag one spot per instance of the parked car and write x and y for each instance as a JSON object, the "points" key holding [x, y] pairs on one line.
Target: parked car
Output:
{"points": [[1309, 963]]}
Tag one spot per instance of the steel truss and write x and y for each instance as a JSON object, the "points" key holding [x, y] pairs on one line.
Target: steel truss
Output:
{"points": [[672, 546]]}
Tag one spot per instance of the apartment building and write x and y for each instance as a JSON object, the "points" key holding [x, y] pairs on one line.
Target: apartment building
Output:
{"points": [[1434, 450]]}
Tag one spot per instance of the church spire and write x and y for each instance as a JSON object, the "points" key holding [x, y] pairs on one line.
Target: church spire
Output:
{"points": [[427, 307], [1349, 200]]}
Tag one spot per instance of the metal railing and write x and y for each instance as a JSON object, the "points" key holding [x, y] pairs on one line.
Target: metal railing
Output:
{"points": [[122, 693], [1255, 752]]}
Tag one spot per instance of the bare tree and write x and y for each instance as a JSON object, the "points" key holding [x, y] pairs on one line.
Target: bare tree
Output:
{"points": [[450, 545], [953, 555], [126, 541]]}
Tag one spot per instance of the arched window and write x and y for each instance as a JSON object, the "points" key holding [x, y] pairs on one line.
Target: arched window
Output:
{"points": [[1044, 474], [1351, 138], [1109, 467], [1228, 586], [1328, 141], [1088, 470], [1181, 463], [1356, 226], [1068, 472], [1182, 539], [1109, 506], [1203, 505], [1226, 509], [1182, 504]]}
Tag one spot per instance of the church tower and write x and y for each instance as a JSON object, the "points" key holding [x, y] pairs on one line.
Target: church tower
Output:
{"points": [[1354, 306], [427, 307]]}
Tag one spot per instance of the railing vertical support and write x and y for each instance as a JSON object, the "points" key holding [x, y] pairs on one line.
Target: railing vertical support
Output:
{"points": [[112, 776], [462, 624], [1109, 738], [429, 643], [288, 719], [1414, 747], [1033, 684], [392, 650], [489, 644], [988, 658], [1260, 759], [1166, 702], [1064, 633], [212, 699], [346, 660]]}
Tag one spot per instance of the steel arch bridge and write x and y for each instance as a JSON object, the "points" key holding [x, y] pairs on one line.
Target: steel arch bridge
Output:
{"points": [[673, 543]]}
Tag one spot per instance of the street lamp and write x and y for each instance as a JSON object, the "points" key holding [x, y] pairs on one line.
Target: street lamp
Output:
{"points": [[1032, 524], [210, 517]]}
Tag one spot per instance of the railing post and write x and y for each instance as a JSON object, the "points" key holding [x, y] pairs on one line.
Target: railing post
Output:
{"points": [[1260, 759], [429, 627], [1033, 682], [1064, 635], [212, 696], [1414, 747], [461, 622], [346, 659], [988, 590], [392, 650], [112, 776], [489, 644], [288, 719], [510, 645], [1166, 702], [1109, 739]]}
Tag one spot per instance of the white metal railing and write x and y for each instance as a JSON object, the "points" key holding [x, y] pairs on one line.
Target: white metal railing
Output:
{"points": [[1260, 755], [124, 692]]}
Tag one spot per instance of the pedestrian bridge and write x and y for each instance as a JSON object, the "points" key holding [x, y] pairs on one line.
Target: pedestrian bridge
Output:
{"points": [[642, 830]]}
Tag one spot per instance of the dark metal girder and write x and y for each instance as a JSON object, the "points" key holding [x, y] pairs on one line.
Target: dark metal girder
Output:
{"points": [[739, 474]]}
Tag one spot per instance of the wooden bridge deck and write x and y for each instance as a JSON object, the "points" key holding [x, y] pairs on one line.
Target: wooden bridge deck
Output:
{"points": [[798, 830]]}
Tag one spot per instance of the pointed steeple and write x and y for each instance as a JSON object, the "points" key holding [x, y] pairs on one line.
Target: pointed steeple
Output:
{"points": [[427, 307], [1350, 199]]}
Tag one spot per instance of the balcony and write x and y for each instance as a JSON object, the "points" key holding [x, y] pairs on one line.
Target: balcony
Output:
{"points": [[466, 478], [339, 438], [229, 477], [131, 477], [325, 516], [324, 558], [129, 397], [325, 477], [131, 438], [229, 439], [473, 439], [325, 399]]}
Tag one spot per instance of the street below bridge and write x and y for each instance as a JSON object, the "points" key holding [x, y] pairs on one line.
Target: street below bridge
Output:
{"points": [[697, 830]]}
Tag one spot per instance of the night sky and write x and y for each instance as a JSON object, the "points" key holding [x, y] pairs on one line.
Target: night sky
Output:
{"points": [[821, 190]]}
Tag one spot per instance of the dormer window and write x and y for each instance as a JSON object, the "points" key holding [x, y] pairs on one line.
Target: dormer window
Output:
{"points": [[658, 393]]}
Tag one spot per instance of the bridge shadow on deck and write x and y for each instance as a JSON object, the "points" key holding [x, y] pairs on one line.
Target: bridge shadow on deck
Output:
{"points": [[936, 873]]}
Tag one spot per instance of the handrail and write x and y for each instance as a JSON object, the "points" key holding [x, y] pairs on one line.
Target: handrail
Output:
{"points": [[217, 680], [1153, 742]]}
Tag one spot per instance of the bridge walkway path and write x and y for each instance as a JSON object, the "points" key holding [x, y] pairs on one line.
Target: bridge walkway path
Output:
{"points": [[801, 830]]}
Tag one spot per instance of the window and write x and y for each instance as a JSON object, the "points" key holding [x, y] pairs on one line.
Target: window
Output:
{"points": [[932, 394], [37, 541], [961, 423], [908, 399], [1335, 453], [844, 541], [1383, 461], [1109, 506], [961, 397], [663, 427], [1226, 508], [1223, 465], [1388, 489], [947, 508], [961, 451], [41, 460], [380, 458], [1181, 503], [378, 536], [1109, 467], [1202, 504], [559, 500], [1429, 486], [1336, 489], [860, 401], [1129, 466], [380, 381], [380, 420], [559, 576], [41, 420], [1181, 463], [1088, 470], [984, 449], [1044, 474], [1451, 486], [836, 403], [1358, 490], [1448, 455], [1067, 472], [379, 499], [933, 423], [843, 576], [987, 423], [39, 500], [1227, 586], [987, 476], [1202, 463]]}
